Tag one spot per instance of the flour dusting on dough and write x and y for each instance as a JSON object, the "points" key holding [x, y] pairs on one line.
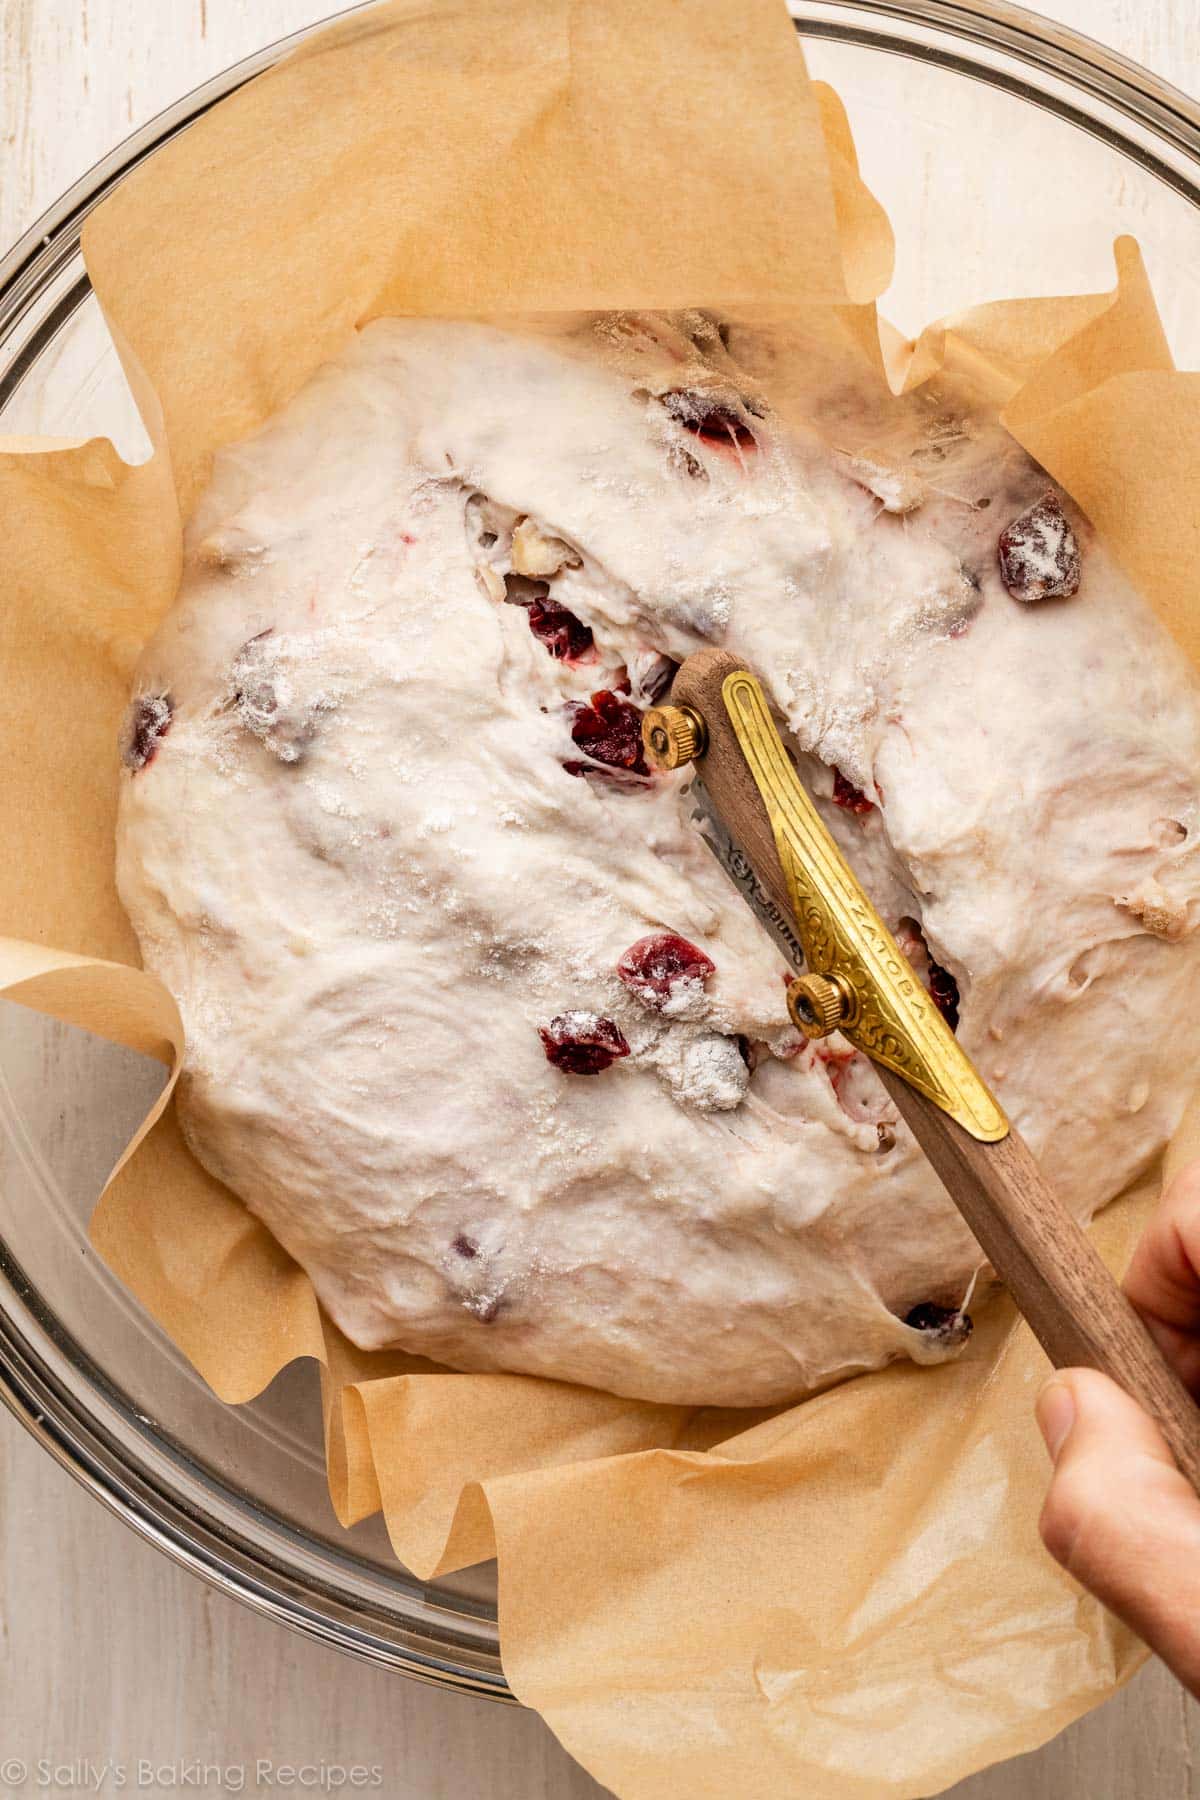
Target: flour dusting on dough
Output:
{"points": [[476, 1023]]}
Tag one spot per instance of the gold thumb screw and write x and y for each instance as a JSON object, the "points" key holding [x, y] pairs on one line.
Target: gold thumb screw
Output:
{"points": [[817, 1006], [672, 736]]}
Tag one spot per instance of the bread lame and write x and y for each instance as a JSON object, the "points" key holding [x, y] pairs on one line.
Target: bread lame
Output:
{"points": [[851, 976]]}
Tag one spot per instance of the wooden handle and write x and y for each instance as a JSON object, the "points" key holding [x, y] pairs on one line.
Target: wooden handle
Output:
{"points": [[1050, 1266], [1074, 1307]]}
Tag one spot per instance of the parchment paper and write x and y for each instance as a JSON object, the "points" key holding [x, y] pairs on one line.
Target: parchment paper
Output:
{"points": [[847, 1598]]}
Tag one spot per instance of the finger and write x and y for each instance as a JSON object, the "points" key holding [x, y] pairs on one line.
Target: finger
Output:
{"points": [[1120, 1517], [1164, 1276]]}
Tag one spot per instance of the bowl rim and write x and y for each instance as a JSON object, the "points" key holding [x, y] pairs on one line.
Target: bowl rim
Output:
{"points": [[1162, 111], [1139, 114]]}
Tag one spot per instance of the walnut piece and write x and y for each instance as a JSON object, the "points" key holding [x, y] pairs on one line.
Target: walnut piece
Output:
{"points": [[540, 556]]}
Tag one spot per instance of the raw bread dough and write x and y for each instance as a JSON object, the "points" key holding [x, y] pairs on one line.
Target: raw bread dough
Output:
{"points": [[364, 842]]}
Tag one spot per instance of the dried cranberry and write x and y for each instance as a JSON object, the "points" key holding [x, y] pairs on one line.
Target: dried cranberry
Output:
{"points": [[465, 1246], [846, 795], [710, 420], [656, 965], [582, 1043], [565, 637], [943, 991], [939, 982], [265, 700], [146, 724], [610, 730], [946, 1323], [1039, 553]]}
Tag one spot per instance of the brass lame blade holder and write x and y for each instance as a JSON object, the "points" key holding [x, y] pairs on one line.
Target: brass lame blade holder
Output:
{"points": [[857, 980], [860, 981]]}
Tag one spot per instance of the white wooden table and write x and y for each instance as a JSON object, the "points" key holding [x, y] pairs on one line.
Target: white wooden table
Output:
{"points": [[107, 1651]]}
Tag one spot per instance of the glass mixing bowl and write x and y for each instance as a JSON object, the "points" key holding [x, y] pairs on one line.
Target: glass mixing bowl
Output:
{"points": [[937, 91]]}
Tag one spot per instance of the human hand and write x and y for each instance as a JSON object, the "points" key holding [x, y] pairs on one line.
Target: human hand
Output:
{"points": [[1119, 1516]]}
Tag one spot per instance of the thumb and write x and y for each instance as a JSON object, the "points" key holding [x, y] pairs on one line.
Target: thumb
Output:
{"points": [[1120, 1517]]}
